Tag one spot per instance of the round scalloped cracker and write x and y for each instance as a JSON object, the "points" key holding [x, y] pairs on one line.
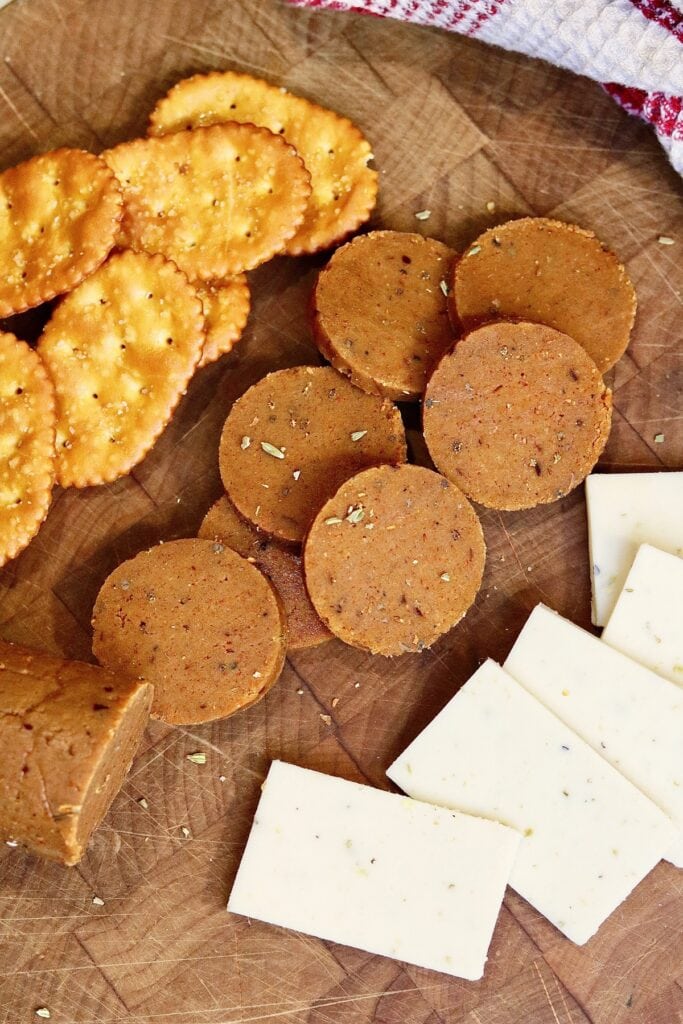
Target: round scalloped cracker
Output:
{"points": [[27, 445], [121, 349], [226, 308], [216, 201], [344, 188], [59, 216]]}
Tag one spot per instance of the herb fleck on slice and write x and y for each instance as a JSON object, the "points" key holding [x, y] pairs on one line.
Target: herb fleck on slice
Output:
{"points": [[270, 449], [356, 515]]}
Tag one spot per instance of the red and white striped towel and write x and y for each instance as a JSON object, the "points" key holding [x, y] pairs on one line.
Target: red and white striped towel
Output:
{"points": [[634, 47]]}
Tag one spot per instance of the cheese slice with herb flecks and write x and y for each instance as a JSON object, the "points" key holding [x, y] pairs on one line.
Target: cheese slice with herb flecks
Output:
{"points": [[647, 621], [374, 870], [628, 714], [626, 510], [588, 835]]}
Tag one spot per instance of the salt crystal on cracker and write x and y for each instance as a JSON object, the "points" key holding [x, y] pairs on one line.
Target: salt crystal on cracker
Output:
{"points": [[121, 349]]}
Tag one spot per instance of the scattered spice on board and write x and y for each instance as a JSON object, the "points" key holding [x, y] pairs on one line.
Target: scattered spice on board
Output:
{"points": [[197, 758]]}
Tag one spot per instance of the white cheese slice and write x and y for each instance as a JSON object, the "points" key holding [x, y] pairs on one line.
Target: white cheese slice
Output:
{"points": [[647, 621], [629, 715], [374, 870], [589, 836], [626, 510]]}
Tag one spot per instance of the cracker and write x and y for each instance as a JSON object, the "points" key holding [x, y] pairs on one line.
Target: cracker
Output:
{"points": [[216, 201], [517, 415], [282, 567], [344, 188], [294, 437], [380, 313], [27, 445], [226, 309], [59, 215], [394, 559], [121, 349], [199, 622], [551, 273]]}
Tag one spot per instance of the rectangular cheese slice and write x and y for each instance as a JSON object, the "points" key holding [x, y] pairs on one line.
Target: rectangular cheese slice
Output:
{"points": [[589, 836], [647, 621], [626, 510], [629, 715], [374, 870]]}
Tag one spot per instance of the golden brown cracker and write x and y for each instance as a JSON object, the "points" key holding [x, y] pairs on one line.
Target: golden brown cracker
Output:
{"points": [[216, 201], [394, 559], [517, 415], [294, 437], [343, 187], [120, 349], [226, 309], [27, 445], [59, 214], [551, 273], [380, 313], [281, 565], [199, 622]]}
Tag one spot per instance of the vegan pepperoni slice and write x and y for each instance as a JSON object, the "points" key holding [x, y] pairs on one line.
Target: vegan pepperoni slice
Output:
{"points": [[380, 313], [394, 559], [199, 622], [294, 437], [282, 566], [551, 273], [517, 415]]}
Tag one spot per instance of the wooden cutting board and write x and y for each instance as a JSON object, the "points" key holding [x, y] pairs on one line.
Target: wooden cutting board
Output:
{"points": [[455, 127]]}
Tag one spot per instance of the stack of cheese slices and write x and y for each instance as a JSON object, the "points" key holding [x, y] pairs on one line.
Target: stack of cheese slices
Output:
{"points": [[560, 772]]}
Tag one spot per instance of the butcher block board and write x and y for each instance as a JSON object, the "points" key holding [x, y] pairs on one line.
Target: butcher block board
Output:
{"points": [[455, 126]]}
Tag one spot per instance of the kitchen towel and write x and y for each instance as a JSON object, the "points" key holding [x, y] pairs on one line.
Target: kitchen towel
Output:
{"points": [[633, 47]]}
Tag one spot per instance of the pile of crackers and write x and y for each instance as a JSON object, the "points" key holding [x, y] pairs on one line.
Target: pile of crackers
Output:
{"points": [[146, 247]]}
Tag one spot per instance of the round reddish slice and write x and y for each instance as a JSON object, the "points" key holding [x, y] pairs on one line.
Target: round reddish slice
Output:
{"points": [[199, 622], [517, 415], [294, 437], [380, 312], [552, 273], [394, 559]]}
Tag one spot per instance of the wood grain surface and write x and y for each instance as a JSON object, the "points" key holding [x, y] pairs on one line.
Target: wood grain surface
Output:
{"points": [[454, 126]]}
